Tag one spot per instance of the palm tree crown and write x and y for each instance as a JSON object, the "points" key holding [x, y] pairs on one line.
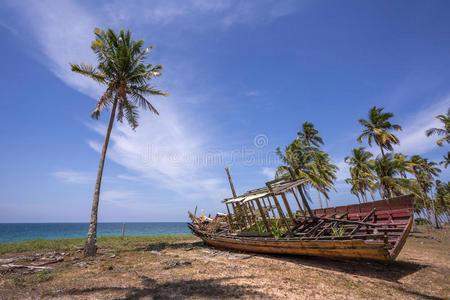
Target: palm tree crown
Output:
{"points": [[122, 70], [378, 128], [310, 135], [305, 160], [424, 171], [444, 132], [362, 177]]}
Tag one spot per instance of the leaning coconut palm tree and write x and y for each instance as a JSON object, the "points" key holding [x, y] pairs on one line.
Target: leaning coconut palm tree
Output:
{"points": [[310, 135], [425, 172], [444, 132], [387, 171], [403, 164], [295, 158], [324, 172], [304, 160], [443, 198], [121, 69], [378, 128], [362, 177]]}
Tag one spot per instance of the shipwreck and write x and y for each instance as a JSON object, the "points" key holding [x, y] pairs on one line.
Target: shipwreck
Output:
{"points": [[277, 219]]}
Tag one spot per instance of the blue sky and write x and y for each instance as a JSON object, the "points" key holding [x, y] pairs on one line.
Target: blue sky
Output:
{"points": [[242, 77]]}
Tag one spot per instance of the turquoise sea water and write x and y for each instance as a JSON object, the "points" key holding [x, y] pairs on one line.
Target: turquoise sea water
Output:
{"points": [[14, 232]]}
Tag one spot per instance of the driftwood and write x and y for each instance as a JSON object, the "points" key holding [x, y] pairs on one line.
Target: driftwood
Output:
{"points": [[32, 268]]}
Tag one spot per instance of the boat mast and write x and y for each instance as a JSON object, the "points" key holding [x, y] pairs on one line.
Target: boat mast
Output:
{"points": [[233, 191]]}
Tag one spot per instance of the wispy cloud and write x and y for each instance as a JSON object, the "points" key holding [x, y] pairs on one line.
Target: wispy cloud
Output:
{"points": [[62, 31], [412, 138], [74, 177], [268, 172], [119, 197], [162, 150], [222, 13], [252, 93], [343, 171]]}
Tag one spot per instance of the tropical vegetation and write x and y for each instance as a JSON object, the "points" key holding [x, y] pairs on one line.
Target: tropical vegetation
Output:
{"points": [[122, 70], [389, 174], [378, 128], [304, 160]]}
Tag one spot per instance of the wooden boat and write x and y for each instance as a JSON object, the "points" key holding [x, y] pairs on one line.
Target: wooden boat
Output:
{"points": [[375, 230]]}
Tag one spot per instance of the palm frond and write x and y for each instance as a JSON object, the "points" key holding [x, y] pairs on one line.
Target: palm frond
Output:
{"points": [[89, 71]]}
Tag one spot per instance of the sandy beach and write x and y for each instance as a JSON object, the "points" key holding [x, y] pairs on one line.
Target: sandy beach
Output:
{"points": [[182, 267]]}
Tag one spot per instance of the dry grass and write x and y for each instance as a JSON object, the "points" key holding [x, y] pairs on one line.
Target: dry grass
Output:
{"points": [[184, 268]]}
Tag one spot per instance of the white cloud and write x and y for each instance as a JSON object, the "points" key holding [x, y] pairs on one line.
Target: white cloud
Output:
{"points": [[62, 31], [220, 12], [252, 93], [268, 172], [129, 177], [164, 149], [412, 138], [343, 171], [119, 197], [74, 177], [96, 146]]}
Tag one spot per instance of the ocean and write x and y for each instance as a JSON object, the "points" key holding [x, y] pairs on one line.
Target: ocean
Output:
{"points": [[15, 232]]}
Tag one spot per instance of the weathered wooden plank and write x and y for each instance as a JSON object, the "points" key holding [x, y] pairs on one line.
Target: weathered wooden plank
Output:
{"points": [[263, 215]]}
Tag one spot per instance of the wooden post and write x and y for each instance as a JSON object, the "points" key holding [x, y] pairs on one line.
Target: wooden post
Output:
{"points": [[242, 214], [252, 213], [247, 218], [296, 199], [263, 215], [288, 207], [236, 215], [271, 207], [266, 210], [280, 212], [252, 204], [305, 201], [230, 181], [300, 189], [230, 219], [123, 230]]}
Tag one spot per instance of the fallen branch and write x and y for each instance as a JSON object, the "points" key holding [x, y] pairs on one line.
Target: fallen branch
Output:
{"points": [[14, 266]]}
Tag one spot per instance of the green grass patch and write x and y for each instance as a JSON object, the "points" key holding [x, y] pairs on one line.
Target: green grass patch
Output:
{"points": [[42, 276], [114, 243]]}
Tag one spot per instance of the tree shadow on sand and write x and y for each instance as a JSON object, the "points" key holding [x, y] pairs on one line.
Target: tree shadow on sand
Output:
{"points": [[214, 288], [392, 272]]}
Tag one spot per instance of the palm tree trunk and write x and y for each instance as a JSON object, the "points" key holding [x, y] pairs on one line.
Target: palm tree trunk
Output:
{"points": [[436, 220], [320, 199], [382, 151], [305, 201], [90, 248]]}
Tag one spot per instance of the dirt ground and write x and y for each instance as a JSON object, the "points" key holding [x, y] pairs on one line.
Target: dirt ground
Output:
{"points": [[187, 269]]}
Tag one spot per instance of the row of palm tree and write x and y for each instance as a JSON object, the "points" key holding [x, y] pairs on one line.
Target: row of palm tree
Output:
{"points": [[390, 174], [394, 174]]}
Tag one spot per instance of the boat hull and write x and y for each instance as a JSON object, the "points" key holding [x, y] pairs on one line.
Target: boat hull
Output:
{"points": [[348, 249], [394, 216]]}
